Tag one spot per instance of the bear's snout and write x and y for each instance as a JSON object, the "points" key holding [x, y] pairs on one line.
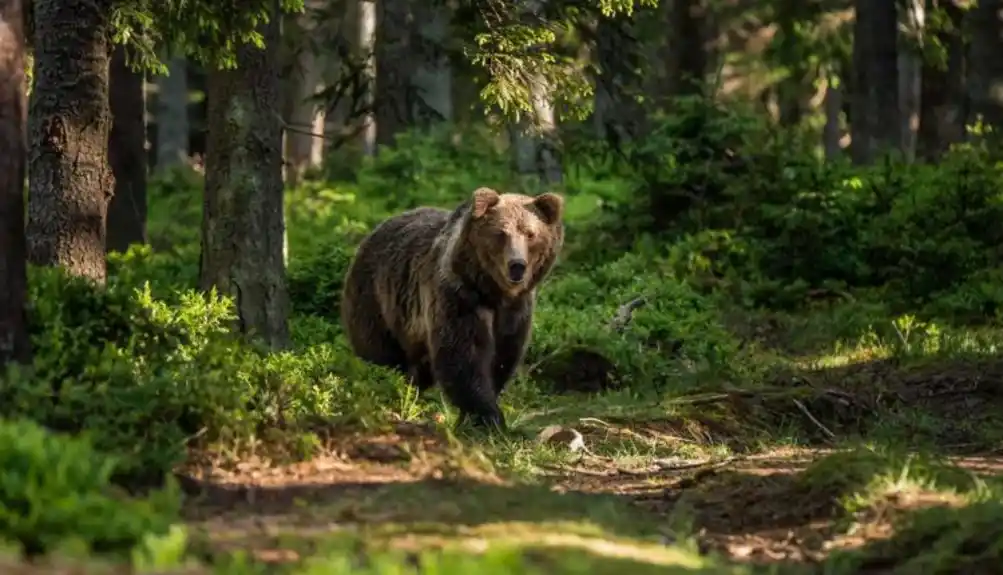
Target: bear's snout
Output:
{"points": [[516, 270]]}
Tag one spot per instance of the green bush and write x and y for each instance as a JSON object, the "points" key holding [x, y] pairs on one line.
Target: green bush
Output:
{"points": [[175, 209], [677, 332], [56, 492], [439, 168], [140, 375], [754, 212], [145, 377]]}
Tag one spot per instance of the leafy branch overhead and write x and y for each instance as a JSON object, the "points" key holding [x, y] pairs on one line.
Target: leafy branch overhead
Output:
{"points": [[208, 31], [519, 44]]}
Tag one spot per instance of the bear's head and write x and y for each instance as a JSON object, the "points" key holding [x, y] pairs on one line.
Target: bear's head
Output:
{"points": [[516, 238]]}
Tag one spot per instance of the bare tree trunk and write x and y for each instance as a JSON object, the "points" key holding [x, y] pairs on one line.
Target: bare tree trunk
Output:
{"points": [[14, 342], [304, 150], [367, 48], [243, 221], [432, 78], [832, 133], [393, 70], [127, 155], [172, 115], [69, 178], [986, 62], [942, 119], [617, 116], [875, 125], [535, 141], [687, 51], [910, 67]]}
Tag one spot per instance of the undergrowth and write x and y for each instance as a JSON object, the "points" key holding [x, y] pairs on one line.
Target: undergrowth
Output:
{"points": [[752, 257]]}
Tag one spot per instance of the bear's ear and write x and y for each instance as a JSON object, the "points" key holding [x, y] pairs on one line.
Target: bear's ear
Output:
{"points": [[550, 206], [483, 200]]}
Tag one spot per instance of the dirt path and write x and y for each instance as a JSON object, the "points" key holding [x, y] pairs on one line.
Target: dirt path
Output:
{"points": [[411, 490]]}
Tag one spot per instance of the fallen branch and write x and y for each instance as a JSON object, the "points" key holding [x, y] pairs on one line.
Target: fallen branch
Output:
{"points": [[818, 423]]}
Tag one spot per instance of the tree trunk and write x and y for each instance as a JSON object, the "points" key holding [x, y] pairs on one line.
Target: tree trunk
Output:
{"points": [[14, 342], [366, 47], [127, 155], [941, 117], [243, 221], [795, 90], [432, 78], [910, 65], [534, 142], [832, 133], [876, 127], [617, 115], [70, 182], [534, 139], [986, 63], [393, 70], [303, 149], [687, 50], [172, 115]]}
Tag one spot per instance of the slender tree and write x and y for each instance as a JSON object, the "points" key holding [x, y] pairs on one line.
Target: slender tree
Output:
{"points": [[942, 99], [172, 114], [985, 71], [14, 343], [127, 155], [875, 125]]}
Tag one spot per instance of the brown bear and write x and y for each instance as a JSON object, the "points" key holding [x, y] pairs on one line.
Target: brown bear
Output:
{"points": [[447, 297]]}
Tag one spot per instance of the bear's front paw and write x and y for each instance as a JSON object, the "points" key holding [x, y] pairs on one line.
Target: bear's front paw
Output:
{"points": [[490, 420]]}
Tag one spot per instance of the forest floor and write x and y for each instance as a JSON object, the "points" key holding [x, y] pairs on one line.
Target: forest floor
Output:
{"points": [[699, 491]]}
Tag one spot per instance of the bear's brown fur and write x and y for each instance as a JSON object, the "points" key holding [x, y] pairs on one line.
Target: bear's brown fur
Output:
{"points": [[447, 297]]}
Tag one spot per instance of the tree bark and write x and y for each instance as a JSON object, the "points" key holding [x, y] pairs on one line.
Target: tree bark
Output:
{"points": [[172, 115], [875, 125], [534, 139], [70, 181], [243, 222], [14, 342], [832, 132], [366, 46], [127, 155], [910, 66], [617, 116], [303, 149], [687, 50], [393, 98], [986, 63], [941, 116], [432, 78], [534, 142]]}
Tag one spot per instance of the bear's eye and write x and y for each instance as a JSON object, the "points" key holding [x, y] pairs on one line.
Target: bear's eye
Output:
{"points": [[530, 235]]}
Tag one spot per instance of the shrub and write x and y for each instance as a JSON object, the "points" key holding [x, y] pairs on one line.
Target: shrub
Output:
{"points": [[677, 332], [754, 212], [439, 168], [55, 491], [141, 376], [144, 377]]}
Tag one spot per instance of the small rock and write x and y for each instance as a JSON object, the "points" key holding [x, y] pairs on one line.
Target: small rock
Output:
{"points": [[559, 435]]}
